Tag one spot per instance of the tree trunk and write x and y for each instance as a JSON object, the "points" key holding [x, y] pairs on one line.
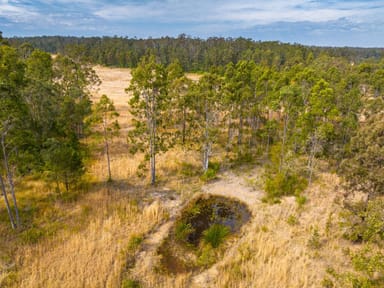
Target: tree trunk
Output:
{"points": [[240, 136], [10, 179], [207, 144], [229, 140], [108, 161], [283, 142], [311, 160], [13, 224], [183, 131], [152, 141], [106, 145]]}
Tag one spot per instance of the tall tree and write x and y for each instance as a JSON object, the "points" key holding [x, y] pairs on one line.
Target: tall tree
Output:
{"points": [[105, 114], [12, 118], [208, 90], [147, 105]]}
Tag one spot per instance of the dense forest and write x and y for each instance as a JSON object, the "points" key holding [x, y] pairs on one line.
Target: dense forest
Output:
{"points": [[290, 107], [194, 54]]}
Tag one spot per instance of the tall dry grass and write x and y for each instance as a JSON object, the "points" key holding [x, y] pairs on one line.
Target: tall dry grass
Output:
{"points": [[93, 257]]}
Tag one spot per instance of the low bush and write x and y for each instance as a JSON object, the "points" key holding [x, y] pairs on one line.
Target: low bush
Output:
{"points": [[283, 184]]}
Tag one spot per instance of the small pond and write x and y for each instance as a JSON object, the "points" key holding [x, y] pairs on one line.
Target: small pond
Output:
{"points": [[186, 244]]}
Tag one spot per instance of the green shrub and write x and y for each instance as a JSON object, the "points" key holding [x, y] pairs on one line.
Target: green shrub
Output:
{"points": [[210, 174], [368, 264], [215, 234], [284, 184], [364, 222]]}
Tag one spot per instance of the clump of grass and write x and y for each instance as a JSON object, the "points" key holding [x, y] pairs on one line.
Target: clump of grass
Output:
{"points": [[207, 256], [215, 235], [129, 283], [314, 241], [183, 230], [135, 242], [211, 173], [292, 220]]}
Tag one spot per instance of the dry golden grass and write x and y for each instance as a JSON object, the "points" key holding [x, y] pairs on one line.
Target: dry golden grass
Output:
{"points": [[92, 250], [93, 257]]}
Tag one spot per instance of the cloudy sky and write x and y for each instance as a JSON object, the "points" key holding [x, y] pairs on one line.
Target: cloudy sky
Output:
{"points": [[312, 22]]}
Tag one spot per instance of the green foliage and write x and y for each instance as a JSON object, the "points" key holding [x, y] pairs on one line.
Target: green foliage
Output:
{"points": [[215, 235], [300, 200], [211, 172], [32, 235], [135, 242], [282, 184], [207, 256], [129, 283], [314, 242], [63, 161], [364, 221], [292, 220], [363, 169], [368, 264], [183, 230]]}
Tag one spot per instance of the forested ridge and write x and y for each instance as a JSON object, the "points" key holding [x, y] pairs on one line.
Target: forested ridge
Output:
{"points": [[290, 109]]}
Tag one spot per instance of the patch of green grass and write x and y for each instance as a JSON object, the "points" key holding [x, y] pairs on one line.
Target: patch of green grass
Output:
{"points": [[135, 242], [215, 235], [129, 283]]}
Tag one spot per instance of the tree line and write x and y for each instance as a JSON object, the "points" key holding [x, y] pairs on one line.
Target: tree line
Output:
{"points": [[194, 54]]}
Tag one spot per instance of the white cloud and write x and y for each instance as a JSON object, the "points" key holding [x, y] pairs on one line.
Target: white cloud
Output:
{"points": [[15, 12], [241, 12]]}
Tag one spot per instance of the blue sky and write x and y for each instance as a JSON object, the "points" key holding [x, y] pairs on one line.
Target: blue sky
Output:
{"points": [[312, 22]]}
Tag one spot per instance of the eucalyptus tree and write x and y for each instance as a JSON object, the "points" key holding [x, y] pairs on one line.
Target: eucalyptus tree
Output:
{"points": [[319, 121], [105, 114], [180, 101], [12, 118], [207, 106], [74, 80], [148, 105]]}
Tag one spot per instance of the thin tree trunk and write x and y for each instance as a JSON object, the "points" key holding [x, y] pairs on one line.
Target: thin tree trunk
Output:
{"points": [[283, 143], [153, 140], [108, 161], [10, 179], [107, 148], [7, 203], [229, 140], [183, 131], [240, 136], [207, 145], [311, 160]]}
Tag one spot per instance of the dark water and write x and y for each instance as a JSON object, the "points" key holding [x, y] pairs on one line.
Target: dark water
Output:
{"points": [[200, 215], [206, 211]]}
